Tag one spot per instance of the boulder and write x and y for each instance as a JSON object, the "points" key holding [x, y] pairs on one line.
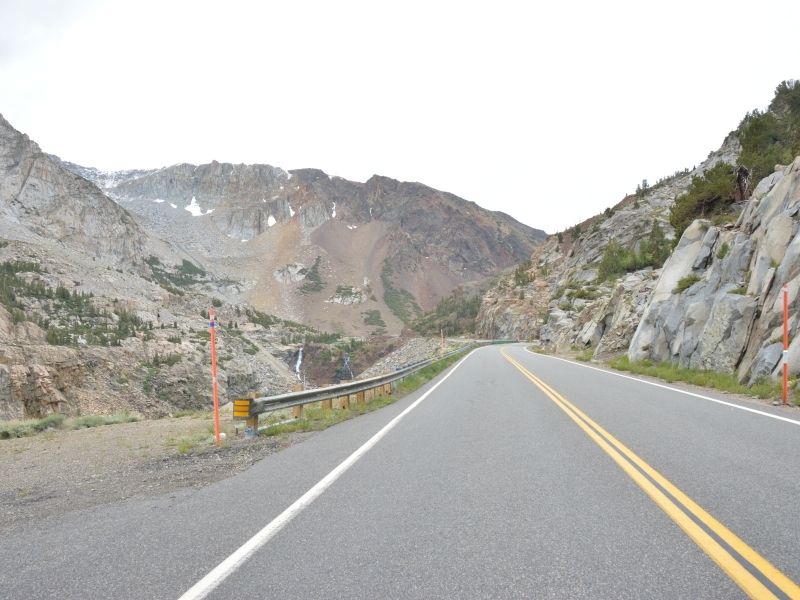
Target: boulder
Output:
{"points": [[725, 334], [766, 362]]}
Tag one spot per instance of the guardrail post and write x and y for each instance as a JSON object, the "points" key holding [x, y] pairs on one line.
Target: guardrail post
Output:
{"points": [[360, 397], [297, 411], [343, 402], [251, 425]]}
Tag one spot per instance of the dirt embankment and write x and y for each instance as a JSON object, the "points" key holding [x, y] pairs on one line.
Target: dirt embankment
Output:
{"points": [[60, 471]]}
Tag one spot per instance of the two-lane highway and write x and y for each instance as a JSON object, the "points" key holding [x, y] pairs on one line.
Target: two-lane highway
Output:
{"points": [[515, 476]]}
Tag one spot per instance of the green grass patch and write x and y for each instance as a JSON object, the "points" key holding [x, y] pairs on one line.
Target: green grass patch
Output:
{"points": [[670, 373], [585, 355]]}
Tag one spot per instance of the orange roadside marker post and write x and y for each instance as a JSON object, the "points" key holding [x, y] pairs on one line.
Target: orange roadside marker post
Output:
{"points": [[212, 327], [785, 344]]}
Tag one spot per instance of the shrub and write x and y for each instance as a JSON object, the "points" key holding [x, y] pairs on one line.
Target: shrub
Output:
{"points": [[453, 315], [313, 280], [723, 250], [522, 275], [685, 283], [616, 260], [707, 195], [373, 318]]}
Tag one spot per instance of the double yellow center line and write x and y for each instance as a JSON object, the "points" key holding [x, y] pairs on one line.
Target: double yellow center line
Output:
{"points": [[751, 571]]}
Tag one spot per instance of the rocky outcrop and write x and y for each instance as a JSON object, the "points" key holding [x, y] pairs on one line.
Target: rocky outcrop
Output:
{"points": [[718, 301], [412, 350], [566, 306]]}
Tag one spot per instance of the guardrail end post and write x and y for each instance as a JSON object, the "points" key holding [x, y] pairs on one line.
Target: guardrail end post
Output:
{"points": [[297, 411], [251, 427]]}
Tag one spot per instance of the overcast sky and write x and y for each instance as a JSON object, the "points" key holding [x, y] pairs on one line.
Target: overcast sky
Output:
{"points": [[547, 111]]}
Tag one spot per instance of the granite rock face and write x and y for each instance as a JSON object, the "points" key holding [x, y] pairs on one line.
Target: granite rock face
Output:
{"points": [[730, 317]]}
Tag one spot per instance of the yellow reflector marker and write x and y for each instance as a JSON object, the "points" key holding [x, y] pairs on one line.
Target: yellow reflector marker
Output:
{"points": [[241, 409]]}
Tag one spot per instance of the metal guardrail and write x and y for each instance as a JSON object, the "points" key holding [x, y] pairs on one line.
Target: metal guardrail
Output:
{"points": [[363, 390]]}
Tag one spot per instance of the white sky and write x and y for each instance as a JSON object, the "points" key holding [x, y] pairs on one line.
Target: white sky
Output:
{"points": [[547, 111]]}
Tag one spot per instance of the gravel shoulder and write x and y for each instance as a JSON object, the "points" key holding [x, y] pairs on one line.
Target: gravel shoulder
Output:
{"points": [[57, 471]]}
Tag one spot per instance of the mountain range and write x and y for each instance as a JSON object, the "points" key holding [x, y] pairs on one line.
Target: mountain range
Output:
{"points": [[117, 271]]}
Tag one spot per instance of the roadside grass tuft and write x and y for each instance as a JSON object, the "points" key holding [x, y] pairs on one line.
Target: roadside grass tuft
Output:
{"points": [[27, 427], [538, 350], [186, 443], [586, 355], [88, 421], [725, 382]]}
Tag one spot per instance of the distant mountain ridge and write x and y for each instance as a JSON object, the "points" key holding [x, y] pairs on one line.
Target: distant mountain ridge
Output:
{"points": [[403, 240]]}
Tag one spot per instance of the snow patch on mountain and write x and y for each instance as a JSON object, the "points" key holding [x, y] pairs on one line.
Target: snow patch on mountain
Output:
{"points": [[195, 209]]}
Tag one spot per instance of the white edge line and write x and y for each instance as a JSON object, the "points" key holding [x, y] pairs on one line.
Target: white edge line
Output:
{"points": [[224, 569], [666, 387]]}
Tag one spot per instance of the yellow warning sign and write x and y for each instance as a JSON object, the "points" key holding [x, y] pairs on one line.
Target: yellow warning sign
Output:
{"points": [[241, 409]]}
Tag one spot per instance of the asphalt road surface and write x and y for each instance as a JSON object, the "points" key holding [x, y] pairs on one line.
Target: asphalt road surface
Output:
{"points": [[513, 475]]}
